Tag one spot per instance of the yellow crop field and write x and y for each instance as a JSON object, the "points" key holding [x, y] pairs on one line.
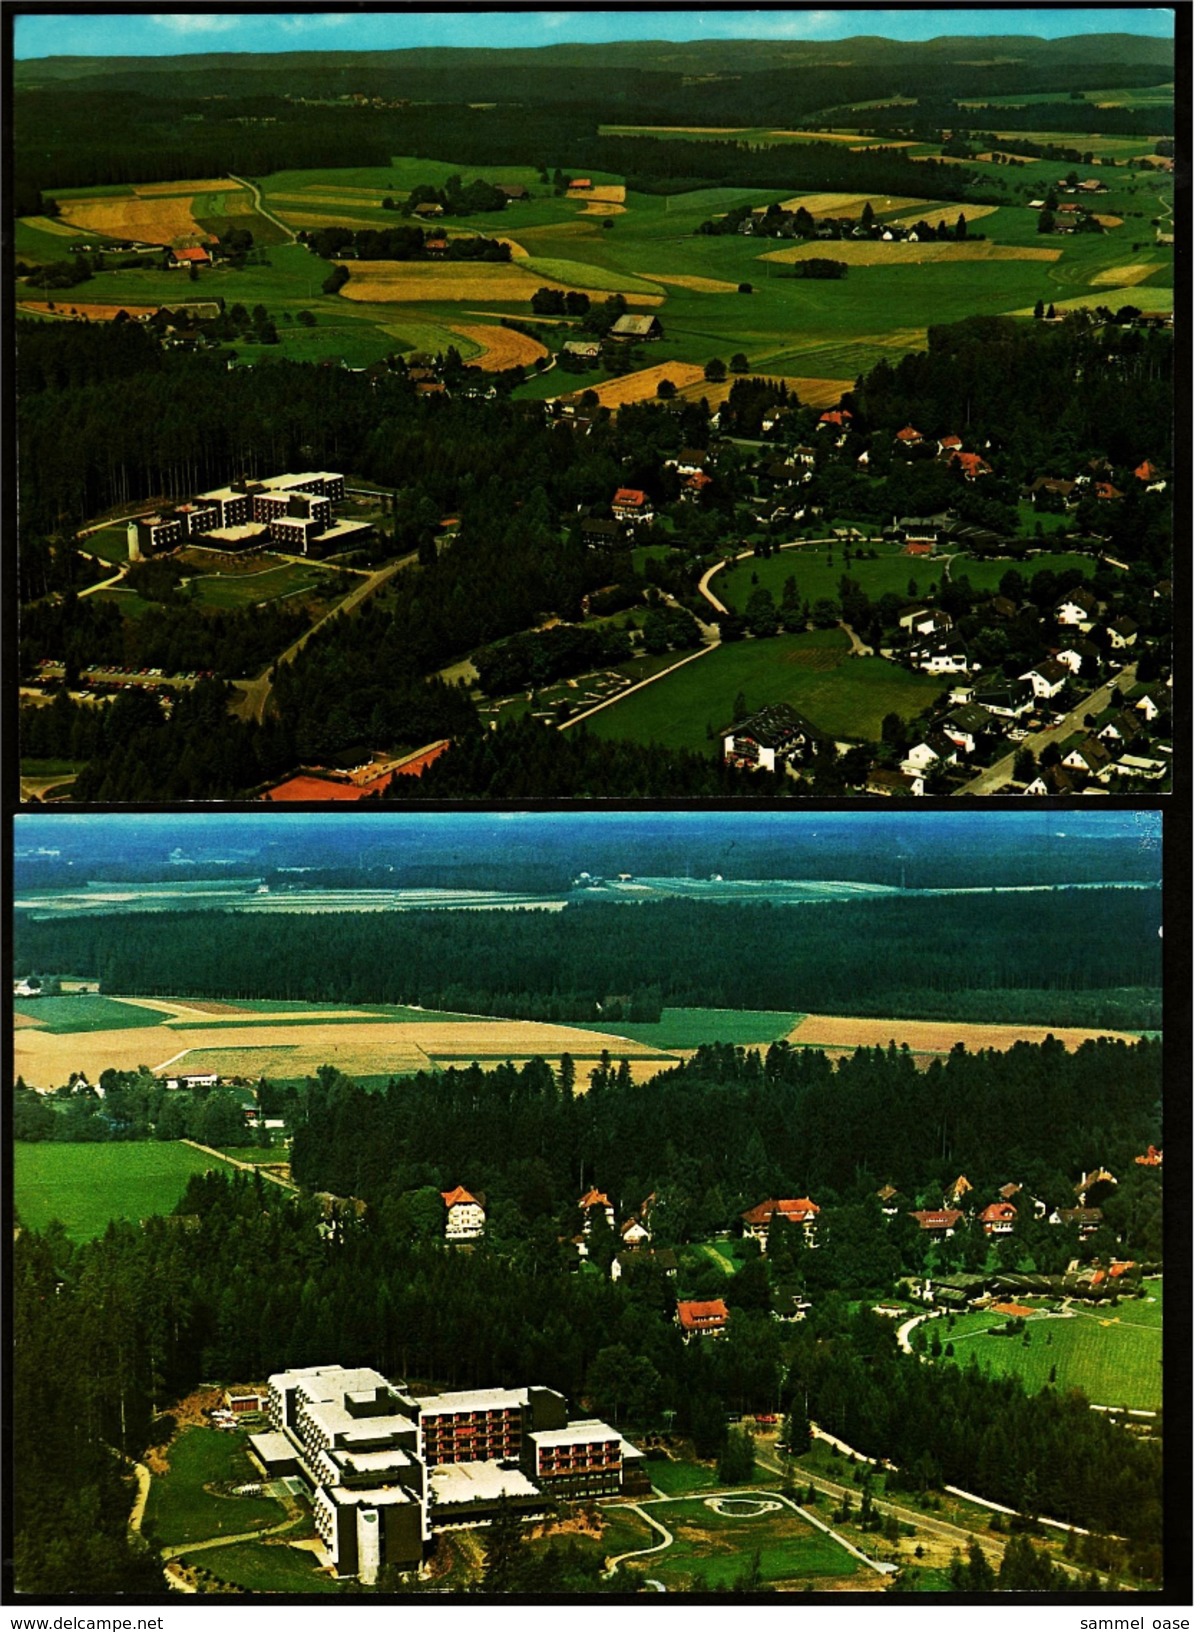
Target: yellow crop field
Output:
{"points": [[704, 286], [949, 213], [326, 218], [1119, 276], [839, 1031], [444, 280], [870, 252], [337, 201], [292, 1045], [1111, 221], [47, 223], [502, 348], [817, 391], [643, 384], [608, 195], [97, 311], [148, 220], [820, 204], [599, 208], [171, 189]]}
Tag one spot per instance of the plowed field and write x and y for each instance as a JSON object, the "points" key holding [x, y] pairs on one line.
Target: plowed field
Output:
{"points": [[839, 1031]]}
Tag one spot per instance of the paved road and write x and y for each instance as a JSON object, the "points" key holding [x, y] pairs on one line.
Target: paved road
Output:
{"points": [[1002, 771], [262, 208], [252, 704], [620, 696], [168, 1553], [107, 583], [643, 1552]]}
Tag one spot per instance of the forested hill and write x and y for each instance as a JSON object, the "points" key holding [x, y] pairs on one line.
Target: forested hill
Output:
{"points": [[1091, 957]]}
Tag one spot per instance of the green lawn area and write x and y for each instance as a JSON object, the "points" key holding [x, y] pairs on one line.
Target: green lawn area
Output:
{"points": [[718, 1548], [688, 1028], [86, 1186], [396, 1013], [265, 1566], [180, 1507], [1113, 1355], [85, 1011], [674, 1478], [987, 574], [110, 544], [51, 767], [238, 590], [819, 569], [847, 697]]}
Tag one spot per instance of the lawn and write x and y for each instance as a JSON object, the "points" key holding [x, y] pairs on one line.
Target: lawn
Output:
{"points": [[86, 1186], [689, 1028], [235, 591], [848, 698], [674, 1478], [182, 1510], [109, 544], [819, 569], [718, 1548], [986, 575], [1114, 1356], [84, 1011], [262, 1566]]}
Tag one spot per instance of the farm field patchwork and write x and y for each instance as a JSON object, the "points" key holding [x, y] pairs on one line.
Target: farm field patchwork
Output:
{"points": [[82, 1012], [86, 1186], [1114, 1354]]}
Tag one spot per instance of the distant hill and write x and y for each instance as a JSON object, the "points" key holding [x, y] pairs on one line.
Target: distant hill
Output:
{"points": [[1115, 53]]}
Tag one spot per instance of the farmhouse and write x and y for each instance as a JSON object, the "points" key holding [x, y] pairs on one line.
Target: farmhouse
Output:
{"points": [[701, 1317], [756, 1221], [581, 184], [197, 256], [387, 1472], [465, 1216], [636, 328], [774, 734]]}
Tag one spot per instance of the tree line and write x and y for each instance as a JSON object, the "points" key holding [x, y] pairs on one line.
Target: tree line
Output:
{"points": [[693, 954]]}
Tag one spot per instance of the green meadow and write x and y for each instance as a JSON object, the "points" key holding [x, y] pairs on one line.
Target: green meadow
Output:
{"points": [[85, 1187], [84, 1012], [679, 710]]}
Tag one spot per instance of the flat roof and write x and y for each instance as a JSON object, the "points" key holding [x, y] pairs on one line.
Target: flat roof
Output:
{"points": [[223, 493], [480, 1399], [477, 1482], [380, 1496], [273, 1447], [237, 535], [575, 1433]]}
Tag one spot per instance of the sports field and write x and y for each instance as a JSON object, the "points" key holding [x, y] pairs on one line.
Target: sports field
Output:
{"points": [[87, 1186], [1114, 1354], [809, 671]]}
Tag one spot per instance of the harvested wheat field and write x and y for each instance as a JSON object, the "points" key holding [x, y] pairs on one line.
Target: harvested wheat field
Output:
{"points": [[598, 207], [290, 1045], [47, 223], [301, 219], [874, 252], [171, 189], [819, 204], [99, 312], [949, 213], [643, 384], [148, 220], [703, 286], [444, 280], [816, 391], [1111, 220], [502, 348], [1119, 276], [614, 194], [845, 1032]]}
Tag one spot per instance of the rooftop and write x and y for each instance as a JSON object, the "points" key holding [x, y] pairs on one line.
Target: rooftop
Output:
{"points": [[575, 1433], [477, 1482]]}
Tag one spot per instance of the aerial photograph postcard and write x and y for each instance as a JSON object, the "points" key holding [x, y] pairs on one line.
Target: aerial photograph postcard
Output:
{"points": [[589, 1203], [594, 404]]}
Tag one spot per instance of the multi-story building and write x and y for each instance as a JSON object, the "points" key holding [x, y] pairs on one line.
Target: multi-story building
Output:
{"points": [[465, 1216], [388, 1471], [756, 1221]]}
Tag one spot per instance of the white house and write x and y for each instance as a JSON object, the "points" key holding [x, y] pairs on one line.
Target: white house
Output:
{"points": [[465, 1215], [1048, 679]]}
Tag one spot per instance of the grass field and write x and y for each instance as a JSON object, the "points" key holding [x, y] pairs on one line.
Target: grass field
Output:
{"points": [[807, 671], [987, 574], [688, 1028], [1113, 1355], [716, 1548], [265, 1566], [85, 1012], [819, 569], [180, 1508], [86, 1186], [678, 1478]]}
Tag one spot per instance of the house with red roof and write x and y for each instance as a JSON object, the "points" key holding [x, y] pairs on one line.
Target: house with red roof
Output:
{"points": [[196, 256], [940, 1221], [1152, 1158], [756, 1221], [972, 465], [998, 1218], [631, 504], [701, 1317], [465, 1216], [591, 1199], [909, 436], [839, 418]]}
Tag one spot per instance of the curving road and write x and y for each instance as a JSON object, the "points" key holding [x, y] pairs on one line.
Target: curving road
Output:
{"points": [[262, 209], [642, 1552]]}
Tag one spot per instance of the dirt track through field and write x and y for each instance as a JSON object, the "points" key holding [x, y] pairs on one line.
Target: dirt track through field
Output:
{"points": [[838, 1031]]}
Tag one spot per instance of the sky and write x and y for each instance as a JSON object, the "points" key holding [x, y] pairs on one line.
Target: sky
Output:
{"points": [[45, 33]]}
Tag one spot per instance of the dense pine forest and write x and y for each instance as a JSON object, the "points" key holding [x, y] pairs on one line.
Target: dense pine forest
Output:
{"points": [[906, 955]]}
